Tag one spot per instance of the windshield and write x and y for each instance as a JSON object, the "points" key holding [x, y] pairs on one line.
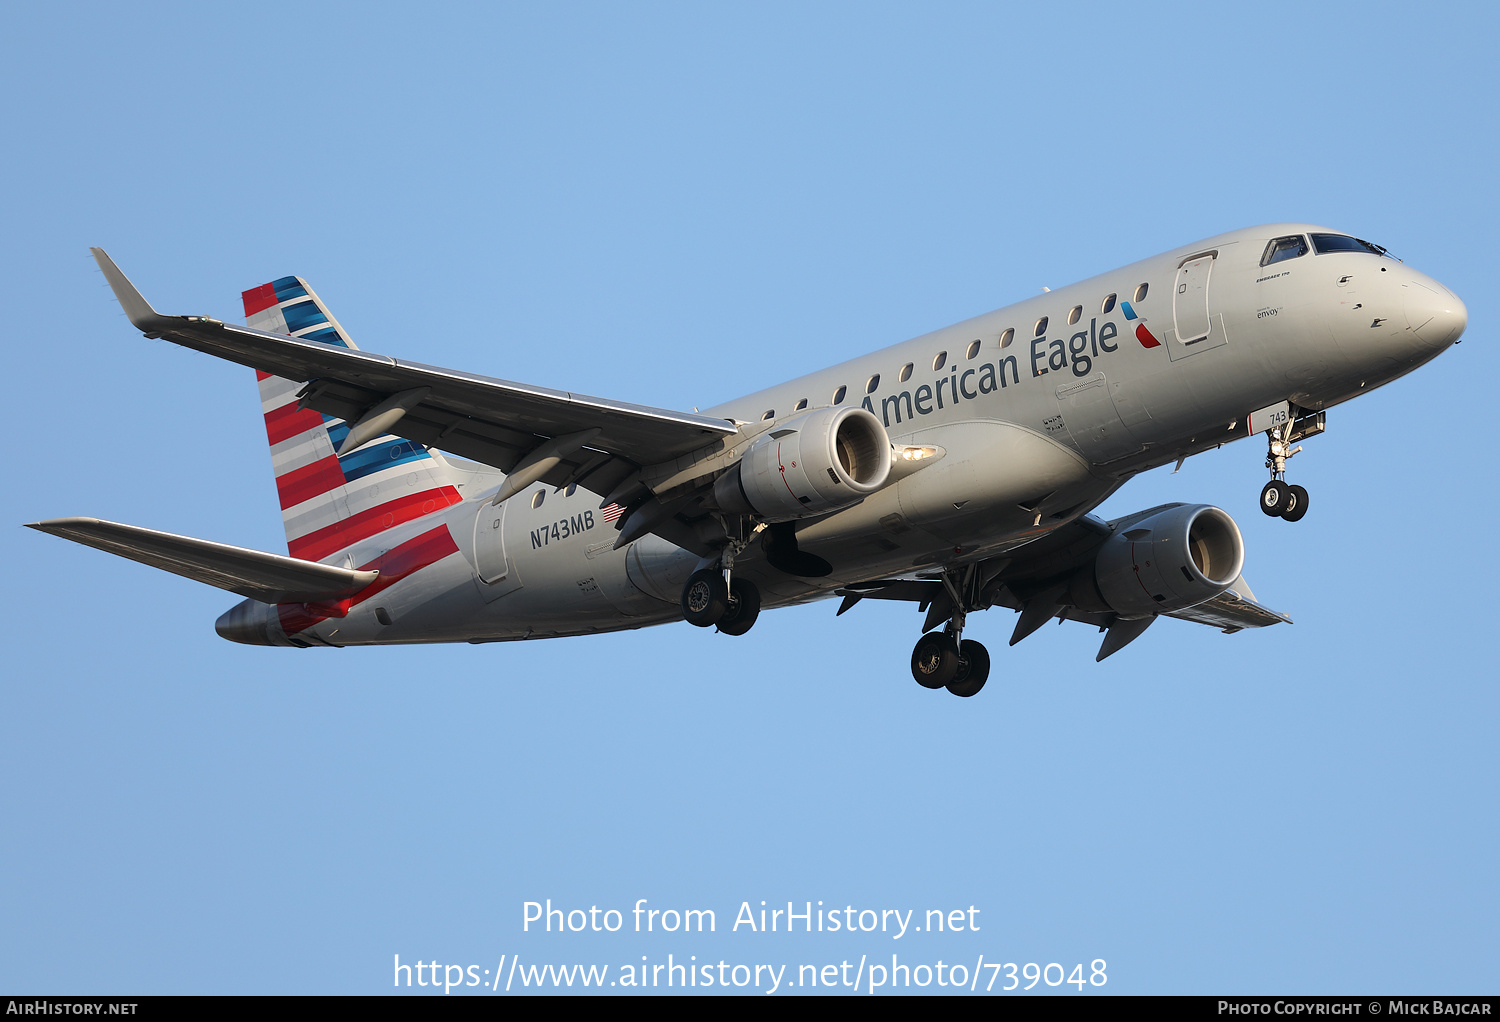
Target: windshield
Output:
{"points": [[1326, 243], [1289, 247]]}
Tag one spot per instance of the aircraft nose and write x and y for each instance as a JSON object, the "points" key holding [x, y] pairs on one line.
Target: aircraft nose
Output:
{"points": [[1436, 314]]}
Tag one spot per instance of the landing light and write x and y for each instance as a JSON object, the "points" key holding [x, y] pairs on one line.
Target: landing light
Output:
{"points": [[905, 460]]}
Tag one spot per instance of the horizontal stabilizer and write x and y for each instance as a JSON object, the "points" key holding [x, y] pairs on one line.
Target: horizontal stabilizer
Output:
{"points": [[269, 578]]}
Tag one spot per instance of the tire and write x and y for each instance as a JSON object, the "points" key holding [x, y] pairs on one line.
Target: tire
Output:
{"points": [[934, 660], [1296, 504], [1273, 499], [973, 669], [744, 607], [705, 598]]}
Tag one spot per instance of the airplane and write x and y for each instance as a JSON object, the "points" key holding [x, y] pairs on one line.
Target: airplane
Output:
{"points": [[955, 471]]}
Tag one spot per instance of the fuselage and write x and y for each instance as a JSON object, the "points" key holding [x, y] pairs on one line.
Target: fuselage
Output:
{"points": [[1041, 409]]}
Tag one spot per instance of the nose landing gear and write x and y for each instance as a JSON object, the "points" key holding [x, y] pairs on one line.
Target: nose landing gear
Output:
{"points": [[1280, 499]]}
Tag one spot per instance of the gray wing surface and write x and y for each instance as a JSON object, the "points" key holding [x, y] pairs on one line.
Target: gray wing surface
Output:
{"points": [[1033, 570], [269, 578], [1233, 609], [496, 422]]}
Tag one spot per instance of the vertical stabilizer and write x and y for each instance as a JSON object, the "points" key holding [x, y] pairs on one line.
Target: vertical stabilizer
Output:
{"points": [[329, 502]]}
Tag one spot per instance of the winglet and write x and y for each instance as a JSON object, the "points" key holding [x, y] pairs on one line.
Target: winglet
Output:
{"points": [[142, 316]]}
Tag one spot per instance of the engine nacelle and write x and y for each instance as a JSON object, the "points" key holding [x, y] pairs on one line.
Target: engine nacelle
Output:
{"points": [[810, 465], [1172, 560]]}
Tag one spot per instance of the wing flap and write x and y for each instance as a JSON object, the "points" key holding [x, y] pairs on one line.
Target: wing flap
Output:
{"points": [[269, 578]]}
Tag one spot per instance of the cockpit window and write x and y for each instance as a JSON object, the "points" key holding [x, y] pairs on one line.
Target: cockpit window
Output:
{"points": [[1326, 243], [1285, 248]]}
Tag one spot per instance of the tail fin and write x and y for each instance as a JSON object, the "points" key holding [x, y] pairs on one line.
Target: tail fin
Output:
{"points": [[330, 502]]}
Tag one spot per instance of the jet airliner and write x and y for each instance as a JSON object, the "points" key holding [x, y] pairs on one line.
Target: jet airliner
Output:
{"points": [[955, 471]]}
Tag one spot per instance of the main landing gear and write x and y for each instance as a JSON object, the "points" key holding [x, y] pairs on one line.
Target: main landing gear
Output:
{"points": [[944, 658], [939, 661], [1280, 499], [713, 596]]}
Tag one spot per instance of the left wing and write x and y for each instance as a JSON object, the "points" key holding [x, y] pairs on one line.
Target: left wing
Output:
{"points": [[534, 432]]}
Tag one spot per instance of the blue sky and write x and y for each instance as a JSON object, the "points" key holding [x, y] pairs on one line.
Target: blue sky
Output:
{"points": [[672, 205]]}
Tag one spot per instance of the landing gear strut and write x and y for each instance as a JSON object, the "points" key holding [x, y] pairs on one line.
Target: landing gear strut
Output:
{"points": [[1280, 499], [944, 658]]}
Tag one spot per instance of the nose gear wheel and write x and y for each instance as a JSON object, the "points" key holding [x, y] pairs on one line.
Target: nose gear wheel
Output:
{"points": [[1273, 499]]}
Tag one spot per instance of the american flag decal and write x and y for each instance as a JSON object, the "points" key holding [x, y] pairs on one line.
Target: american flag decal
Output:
{"points": [[611, 512]]}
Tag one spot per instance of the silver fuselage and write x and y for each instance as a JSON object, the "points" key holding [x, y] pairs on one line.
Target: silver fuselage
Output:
{"points": [[1036, 431]]}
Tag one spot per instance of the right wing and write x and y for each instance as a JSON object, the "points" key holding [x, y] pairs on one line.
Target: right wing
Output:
{"points": [[497, 422]]}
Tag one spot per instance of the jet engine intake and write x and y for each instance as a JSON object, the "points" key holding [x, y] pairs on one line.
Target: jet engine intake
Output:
{"points": [[1176, 558], [811, 465]]}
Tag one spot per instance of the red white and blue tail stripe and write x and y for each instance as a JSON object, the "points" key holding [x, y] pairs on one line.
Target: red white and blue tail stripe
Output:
{"points": [[329, 502]]}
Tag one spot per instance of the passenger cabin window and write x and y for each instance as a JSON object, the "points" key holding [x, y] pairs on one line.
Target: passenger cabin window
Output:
{"points": [[1284, 248], [1041, 327], [973, 350], [1326, 243], [1075, 315], [1140, 293], [770, 414], [1007, 337], [800, 405], [538, 497], [940, 361], [838, 395], [872, 383], [905, 373], [1108, 306]]}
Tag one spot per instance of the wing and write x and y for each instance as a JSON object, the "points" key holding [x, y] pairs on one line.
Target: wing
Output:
{"points": [[534, 433], [269, 578], [1033, 581], [1233, 609]]}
